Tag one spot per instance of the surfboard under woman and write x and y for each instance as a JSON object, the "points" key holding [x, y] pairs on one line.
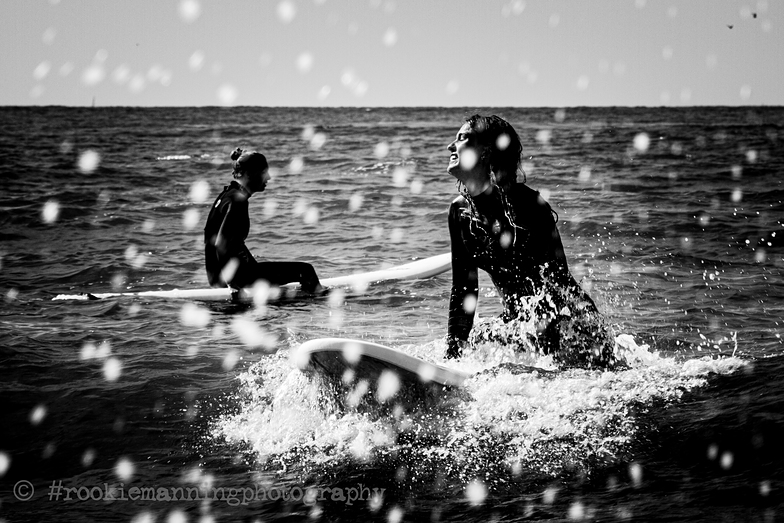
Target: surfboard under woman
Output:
{"points": [[227, 259], [507, 229]]}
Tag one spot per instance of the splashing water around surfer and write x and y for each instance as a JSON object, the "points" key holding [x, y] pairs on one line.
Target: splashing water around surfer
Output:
{"points": [[586, 338], [507, 422]]}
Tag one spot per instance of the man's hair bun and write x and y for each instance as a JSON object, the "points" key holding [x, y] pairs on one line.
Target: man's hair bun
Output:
{"points": [[236, 153]]}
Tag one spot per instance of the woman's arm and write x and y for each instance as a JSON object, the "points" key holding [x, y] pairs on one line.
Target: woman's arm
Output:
{"points": [[465, 287], [230, 239]]}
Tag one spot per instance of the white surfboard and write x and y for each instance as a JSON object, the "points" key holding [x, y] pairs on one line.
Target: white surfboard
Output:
{"points": [[420, 269], [351, 361]]}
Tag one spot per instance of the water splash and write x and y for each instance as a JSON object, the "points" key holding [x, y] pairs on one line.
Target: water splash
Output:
{"points": [[516, 413]]}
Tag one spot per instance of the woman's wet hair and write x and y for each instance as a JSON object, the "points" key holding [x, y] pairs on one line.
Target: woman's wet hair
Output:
{"points": [[247, 162], [503, 144]]}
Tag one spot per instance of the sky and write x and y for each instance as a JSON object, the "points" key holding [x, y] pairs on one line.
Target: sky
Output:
{"points": [[370, 53]]}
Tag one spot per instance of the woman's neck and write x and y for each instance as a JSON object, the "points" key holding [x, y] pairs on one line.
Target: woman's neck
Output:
{"points": [[479, 188], [243, 188]]}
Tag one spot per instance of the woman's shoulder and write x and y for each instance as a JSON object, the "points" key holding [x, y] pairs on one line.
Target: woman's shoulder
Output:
{"points": [[457, 207], [522, 191], [233, 193], [530, 202], [458, 203]]}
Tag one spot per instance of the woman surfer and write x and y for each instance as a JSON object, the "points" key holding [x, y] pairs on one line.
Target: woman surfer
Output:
{"points": [[508, 230], [227, 259]]}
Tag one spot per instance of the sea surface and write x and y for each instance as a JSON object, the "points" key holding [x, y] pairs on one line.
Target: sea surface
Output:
{"points": [[150, 410]]}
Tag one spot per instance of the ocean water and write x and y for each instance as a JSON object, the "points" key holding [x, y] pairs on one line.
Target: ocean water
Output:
{"points": [[145, 410]]}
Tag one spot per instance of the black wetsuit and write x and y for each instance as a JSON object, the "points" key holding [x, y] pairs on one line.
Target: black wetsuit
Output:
{"points": [[228, 225], [517, 243]]}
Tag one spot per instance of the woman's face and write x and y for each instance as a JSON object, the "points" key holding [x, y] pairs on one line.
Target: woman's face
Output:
{"points": [[257, 181], [466, 163]]}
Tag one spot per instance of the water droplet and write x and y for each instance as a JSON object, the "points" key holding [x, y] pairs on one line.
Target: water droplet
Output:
{"points": [[641, 142], [88, 457], [192, 315], [355, 202], [381, 150], [400, 177], [88, 161], [41, 70], [376, 502], [397, 235], [469, 303], [189, 10], [50, 212], [388, 385], [166, 78], [286, 11], [311, 216], [304, 62], [543, 136], [190, 219], [200, 191], [121, 74], [635, 473], [549, 494], [196, 61], [577, 511], [49, 35], [227, 94], [468, 159], [137, 83], [318, 141], [103, 350], [93, 75], [230, 360], [5, 463], [395, 515], [112, 368], [727, 459], [476, 492], [131, 252], [352, 353], [390, 37], [177, 516], [38, 414], [252, 335], [143, 517], [296, 165]]}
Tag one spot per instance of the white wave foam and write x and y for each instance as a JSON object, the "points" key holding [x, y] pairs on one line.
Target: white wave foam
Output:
{"points": [[517, 412]]}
